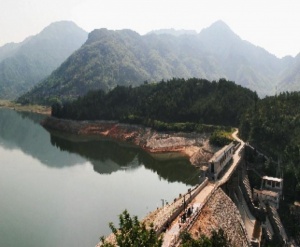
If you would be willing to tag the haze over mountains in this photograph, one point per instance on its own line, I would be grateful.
(24, 64)
(110, 58)
(289, 80)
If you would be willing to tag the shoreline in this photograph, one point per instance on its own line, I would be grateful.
(45, 110)
(193, 145)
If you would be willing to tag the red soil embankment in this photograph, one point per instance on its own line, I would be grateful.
(194, 145)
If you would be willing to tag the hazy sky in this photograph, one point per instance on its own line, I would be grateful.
(273, 25)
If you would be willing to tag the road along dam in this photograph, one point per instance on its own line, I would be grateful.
(222, 199)
(206, 207)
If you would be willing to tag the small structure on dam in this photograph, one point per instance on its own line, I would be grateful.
(220, 159)
(270, 191)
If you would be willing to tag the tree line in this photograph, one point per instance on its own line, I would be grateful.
(192, 101)
(271, 124)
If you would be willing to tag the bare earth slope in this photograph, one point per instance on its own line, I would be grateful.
(194, 145)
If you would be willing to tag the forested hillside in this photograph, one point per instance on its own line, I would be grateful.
(178, 100)
(111, 58)
(273, 126)
(23, 65)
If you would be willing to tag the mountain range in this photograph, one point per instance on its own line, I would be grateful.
(110, 58)
(24, 64)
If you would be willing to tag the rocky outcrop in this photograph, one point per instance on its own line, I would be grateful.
(221, 212)
(194, 145)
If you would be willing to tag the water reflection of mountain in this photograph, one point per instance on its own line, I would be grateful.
(174, 170)
(103, 152)
(106, 156)
(21, 130)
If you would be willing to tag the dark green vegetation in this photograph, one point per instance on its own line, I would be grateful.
(217, 239)
(111, 58)
(221, 137)
(192, 102)
(25, 64)
(273, 127)
(132, 233)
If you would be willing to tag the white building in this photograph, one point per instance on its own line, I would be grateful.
(271, 183)
(220, 160)
(270, 192)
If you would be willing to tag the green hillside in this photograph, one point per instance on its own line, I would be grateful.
(25, 64)
(178, 100)
(111, 58)
(273, 126)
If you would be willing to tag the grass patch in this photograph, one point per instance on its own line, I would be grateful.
(221, 137)
(29, 108)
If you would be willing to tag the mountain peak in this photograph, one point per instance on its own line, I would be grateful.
(218, 38)
(220, 29)
(220, 24)
(63, 26)
(36, 57)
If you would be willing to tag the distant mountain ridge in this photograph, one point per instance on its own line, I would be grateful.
(111, 58)
(173, 31)
(290, 79)
(24, 64)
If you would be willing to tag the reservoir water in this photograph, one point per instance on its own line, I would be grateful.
(58, 190)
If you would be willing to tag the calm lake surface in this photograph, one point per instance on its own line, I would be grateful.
(58, 190)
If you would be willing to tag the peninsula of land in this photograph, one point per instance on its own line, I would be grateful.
(194, 145)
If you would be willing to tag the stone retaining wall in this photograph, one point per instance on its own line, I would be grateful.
(221, 212)
(179, 209)
(255, 211)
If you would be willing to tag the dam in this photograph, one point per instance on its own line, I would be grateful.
(223, 199)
